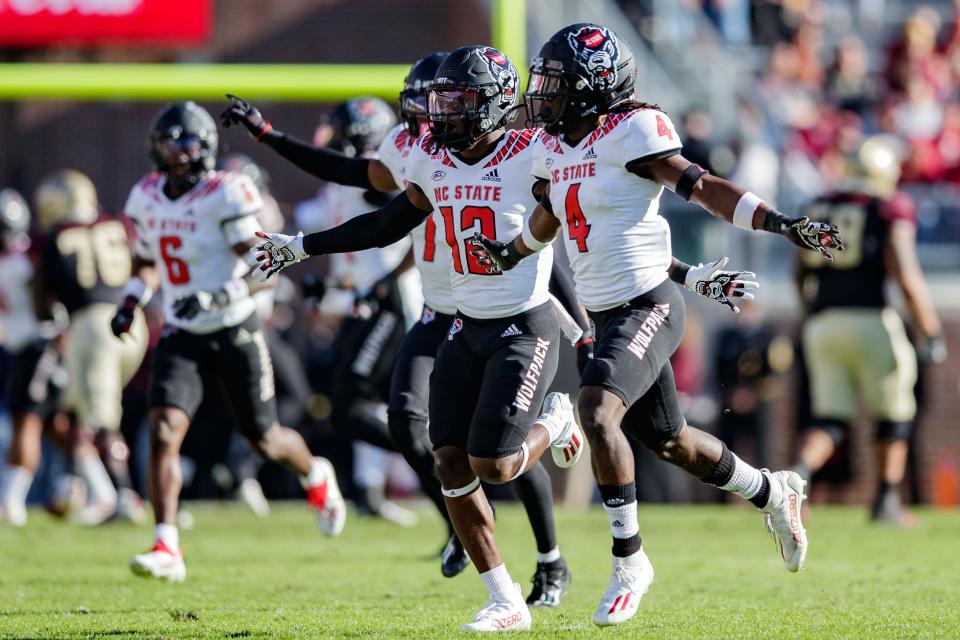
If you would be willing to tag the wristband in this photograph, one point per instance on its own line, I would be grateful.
(679, 272)
(585, 340)
(774, 221)
(746, 207)
(236, 290)
(138, 290)
(528, 239)
(267, 128)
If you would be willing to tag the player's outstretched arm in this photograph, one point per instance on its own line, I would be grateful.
(731, 203)
(900, 255)
(144, 281)
(541, 229)
(712, 281)
(325, 164)
(378, 228)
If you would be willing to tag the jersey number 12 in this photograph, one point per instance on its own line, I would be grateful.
(469, 216)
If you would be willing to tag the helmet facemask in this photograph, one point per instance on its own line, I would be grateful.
(413, 111)
(457, 115)
(554, 98)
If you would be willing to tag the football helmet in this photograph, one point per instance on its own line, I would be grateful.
(359, 125)
(14, 217)
(474, 92)
(65, 196)
(582, 70)
(874, 168)
(183, 142)
(413, 98)
(242, 163)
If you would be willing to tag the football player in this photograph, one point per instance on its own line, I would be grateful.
(855, 344)
(604, 158)
(409, 388)
(84, 262)
(195, 232)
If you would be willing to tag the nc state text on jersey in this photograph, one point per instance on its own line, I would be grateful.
(172, 224)
(575, 172)
(467, 192)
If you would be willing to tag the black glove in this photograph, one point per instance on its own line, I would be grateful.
(496, 256)
(805, 233)
(123, 319)
(192, 305)
(242, 112)
(584, 352)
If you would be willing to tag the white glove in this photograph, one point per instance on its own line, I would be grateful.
(711, 281)
(277, 252)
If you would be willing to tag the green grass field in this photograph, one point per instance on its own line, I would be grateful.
(717, 576)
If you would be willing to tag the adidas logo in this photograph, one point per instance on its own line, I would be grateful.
(590, 154)
(616, 523)
(511, 330)
(492, 176)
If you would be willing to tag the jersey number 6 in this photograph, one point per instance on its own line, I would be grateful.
(177, 270)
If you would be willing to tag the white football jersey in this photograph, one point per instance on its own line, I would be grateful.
(429, 250)
(191, 239)
(18, 323)
(491, 196)
(618, 244)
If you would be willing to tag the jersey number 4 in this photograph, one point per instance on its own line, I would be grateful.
(469, 216)
(577, 227)
(177, 270)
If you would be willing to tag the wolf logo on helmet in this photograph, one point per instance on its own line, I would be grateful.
(596, 50)
(501, 69)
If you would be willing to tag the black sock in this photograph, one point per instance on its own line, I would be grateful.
(536, 493)
(723, 472)
(613, 497)
(763, 496)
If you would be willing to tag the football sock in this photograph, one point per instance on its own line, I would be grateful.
(620, 504)
(496, 579)
(551, 556)
(316, 476)
(169, 535)
(91, 469)
(736, 476)
(536, 493)
(15, 485)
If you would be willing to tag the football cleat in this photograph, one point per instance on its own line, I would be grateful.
(454, 559)
(782, 516)
(550, 582)
(14, 513)
(251, 493)
(630, 580)
(326, 500)
(505, 611)
(567, 445)
(160, 562)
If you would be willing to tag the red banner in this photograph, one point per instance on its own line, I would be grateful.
(33, 23)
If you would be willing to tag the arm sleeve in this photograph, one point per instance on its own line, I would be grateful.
(650, 136)
(242, 203)
(326, 164)
(378, 228)
(141, 248)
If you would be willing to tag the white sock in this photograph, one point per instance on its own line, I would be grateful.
(746, 481)
(101, 489)
(550, 556)
(623, 520)
(16, 485)
(169, 535)
(316, 476)
(497, 579)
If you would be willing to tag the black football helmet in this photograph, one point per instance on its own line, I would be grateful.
(477, 85)
(183, 133)
(413, 98)
(581, 71)
(360, 124)
(14, 217)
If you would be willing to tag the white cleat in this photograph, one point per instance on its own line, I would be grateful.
(782, 515)
(567, 446)
(160, 562)
(326, 499)
(506, 611)
(630, 580)
(252, 495)
(14, 514)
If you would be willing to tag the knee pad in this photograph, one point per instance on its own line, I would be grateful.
(838, 430)
(894, 430)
